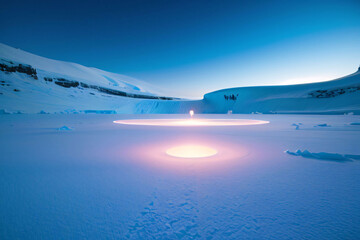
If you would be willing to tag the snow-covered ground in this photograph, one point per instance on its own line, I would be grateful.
(81, 176)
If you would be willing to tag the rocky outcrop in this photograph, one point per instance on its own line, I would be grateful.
(66, 83)
(11, 67)
(334, 92)
(76, 84)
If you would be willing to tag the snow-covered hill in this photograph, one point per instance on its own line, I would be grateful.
(34, 84)
(338, 96)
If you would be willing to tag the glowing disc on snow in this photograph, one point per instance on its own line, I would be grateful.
(191, 122)
(191, 151)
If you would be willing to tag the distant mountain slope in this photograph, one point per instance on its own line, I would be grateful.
(34, 84)
(30, 83)
(332, 97)
(75, 71)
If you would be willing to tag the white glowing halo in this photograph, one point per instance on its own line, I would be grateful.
(191, 122)
(191, 151)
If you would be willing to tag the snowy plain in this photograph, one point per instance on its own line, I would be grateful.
(81, 176)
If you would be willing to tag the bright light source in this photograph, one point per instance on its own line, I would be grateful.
(191, 122)
(191, 151)
(191, 113)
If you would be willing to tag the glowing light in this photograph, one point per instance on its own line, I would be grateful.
(191, 113)
(191, 151)
(207, 153)
(191, 122)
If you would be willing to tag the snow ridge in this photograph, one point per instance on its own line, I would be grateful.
(325, 156)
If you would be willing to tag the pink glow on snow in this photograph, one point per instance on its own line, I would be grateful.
(198, 153)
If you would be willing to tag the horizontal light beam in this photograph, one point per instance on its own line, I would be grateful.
(191, 122)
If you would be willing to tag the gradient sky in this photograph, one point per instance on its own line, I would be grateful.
(189, 48)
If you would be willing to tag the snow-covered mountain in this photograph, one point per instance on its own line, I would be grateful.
(33, 84)
(338, 96)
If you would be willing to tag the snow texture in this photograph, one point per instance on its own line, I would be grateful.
(113, 181)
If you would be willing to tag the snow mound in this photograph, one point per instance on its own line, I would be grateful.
(100, 111)
(296, 125)
(64, 128)
(322, 125)
(43, 112)
(3, 112)
(325, 156)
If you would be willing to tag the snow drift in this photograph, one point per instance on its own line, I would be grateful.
(325, 156)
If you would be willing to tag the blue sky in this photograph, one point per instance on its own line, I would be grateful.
(192, 47)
